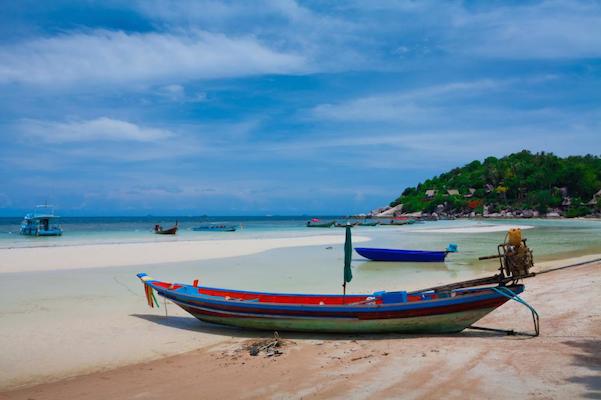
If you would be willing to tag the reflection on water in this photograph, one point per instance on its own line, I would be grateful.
(400, 267)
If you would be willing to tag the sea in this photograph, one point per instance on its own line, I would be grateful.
(298, 269)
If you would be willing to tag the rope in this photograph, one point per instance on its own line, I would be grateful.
(569, 266)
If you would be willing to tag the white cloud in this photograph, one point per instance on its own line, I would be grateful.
(328, 41)
(417, 104)
(117, 57)
(177, 93)
(544, 30)
(105, 129)
(357, 31)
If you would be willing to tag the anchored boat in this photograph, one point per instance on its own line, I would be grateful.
(159, 230)
(41, 222)
(405, 255)
(316, 223)
(365, 223)
(216, 227)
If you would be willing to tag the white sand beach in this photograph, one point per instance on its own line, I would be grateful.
(562, 363)
(81, 309)
(27, 259)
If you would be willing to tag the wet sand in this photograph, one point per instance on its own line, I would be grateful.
(563, 362)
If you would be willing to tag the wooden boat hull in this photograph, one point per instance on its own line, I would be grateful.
(401, 255)
(446, 323)
(425, 312)
(170, 231)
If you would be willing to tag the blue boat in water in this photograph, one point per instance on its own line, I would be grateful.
(405, 255)
(41, 223)
(216, 227)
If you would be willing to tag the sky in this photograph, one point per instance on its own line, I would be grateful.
(281, 107)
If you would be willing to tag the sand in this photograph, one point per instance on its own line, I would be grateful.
(564, 362)
(27, 259)
(84, 310)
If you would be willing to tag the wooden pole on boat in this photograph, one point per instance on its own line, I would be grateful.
(348, 255)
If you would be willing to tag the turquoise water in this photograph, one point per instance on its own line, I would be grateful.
(140, 229)
(549, 238)
(317, 268)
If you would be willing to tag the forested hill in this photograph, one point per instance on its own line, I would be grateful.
(542, 182)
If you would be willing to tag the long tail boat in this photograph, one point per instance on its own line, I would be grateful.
(402, 312)
(364, 223)
(159, 230)
(320, 224)
(215, 227)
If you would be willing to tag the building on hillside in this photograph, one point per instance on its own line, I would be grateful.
(430, 193)
(453, 192)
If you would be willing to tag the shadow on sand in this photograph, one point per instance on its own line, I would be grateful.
(589, 357)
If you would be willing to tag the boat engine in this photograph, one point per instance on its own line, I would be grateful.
(514, 256)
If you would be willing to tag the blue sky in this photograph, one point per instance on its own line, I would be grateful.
(281, 107)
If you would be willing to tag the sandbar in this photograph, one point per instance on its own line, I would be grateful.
(28, 259)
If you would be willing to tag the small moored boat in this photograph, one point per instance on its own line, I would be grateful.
(316, 223)
(159, 230)
(216, 227)
(365, 223)
(40, 223)
(405, 255)
(399, 221)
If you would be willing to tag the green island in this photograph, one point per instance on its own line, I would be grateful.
(521, 184)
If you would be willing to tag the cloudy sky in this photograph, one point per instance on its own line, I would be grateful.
(281, 107)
